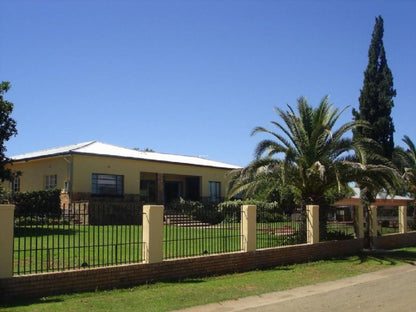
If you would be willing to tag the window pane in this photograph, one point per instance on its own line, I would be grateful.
(214, 191)
(107, 184)
(50, 181)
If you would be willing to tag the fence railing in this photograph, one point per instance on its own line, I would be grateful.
(194, 232)
(81, 236)
(275, 229)
(388, 220)
(86, 235)
(340, 224)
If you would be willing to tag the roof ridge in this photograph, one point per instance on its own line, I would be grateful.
(83, 145)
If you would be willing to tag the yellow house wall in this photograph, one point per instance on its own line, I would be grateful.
(34, 172)
(131, 169)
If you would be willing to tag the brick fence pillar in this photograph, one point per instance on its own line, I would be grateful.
(152, 233)
(402, 219)
(248, 221)
(312, 224)
(6, 240)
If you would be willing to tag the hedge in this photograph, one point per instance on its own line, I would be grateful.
(37, 202)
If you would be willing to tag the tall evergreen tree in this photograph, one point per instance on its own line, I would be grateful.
(376, 98)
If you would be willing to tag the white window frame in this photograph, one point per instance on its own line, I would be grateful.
(51, 181)
(15, 185)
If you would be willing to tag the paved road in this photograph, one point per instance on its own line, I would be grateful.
(387, 290)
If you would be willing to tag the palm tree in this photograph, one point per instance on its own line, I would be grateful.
(315, 160)
(265, 179)
(372, 173)
(306, 152)
(406, 161)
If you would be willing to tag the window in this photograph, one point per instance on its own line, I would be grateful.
(50, 181)
(15, 184)
(107, 184)
(214, 191)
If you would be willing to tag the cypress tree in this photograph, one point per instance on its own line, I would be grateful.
(376, 98)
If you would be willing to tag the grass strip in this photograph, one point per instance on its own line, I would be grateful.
(198, 291)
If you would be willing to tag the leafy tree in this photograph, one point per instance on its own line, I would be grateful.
(7, 129)
(307, 154)
(376, 98)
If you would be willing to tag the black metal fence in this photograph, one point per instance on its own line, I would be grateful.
(82, 235)
(340, 224)
(194, 228)
(388, 220)
(411, 218)
(276, 228)
(97, 234)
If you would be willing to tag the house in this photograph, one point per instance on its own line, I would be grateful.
(345, 212)
(94, 169)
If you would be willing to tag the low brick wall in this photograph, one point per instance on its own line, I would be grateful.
(395, 241)
(135, 274)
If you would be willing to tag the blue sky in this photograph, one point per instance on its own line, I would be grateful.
(191, 77)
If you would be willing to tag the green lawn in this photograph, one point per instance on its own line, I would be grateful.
(63, 247)
(46, 249)
(194, 241)
(191, 292)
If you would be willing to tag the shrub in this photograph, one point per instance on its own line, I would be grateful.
(37, 202)
(114, 213)
(266, 211)
(205, 212)
(337, 235)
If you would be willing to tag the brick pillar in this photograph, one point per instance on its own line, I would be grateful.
(402, 219)
(160, 188)
(6, 240)
(152, 233)
(248, 222)
(359, 221)
(312, 224)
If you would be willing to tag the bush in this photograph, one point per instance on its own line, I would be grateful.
(114, 213)
(229, 211)
(266, 211)
(337, 235)
(204, 212)
(37, 202)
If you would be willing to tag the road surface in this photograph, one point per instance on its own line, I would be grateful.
(387, 290)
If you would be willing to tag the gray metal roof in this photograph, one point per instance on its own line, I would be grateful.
(103, 149)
